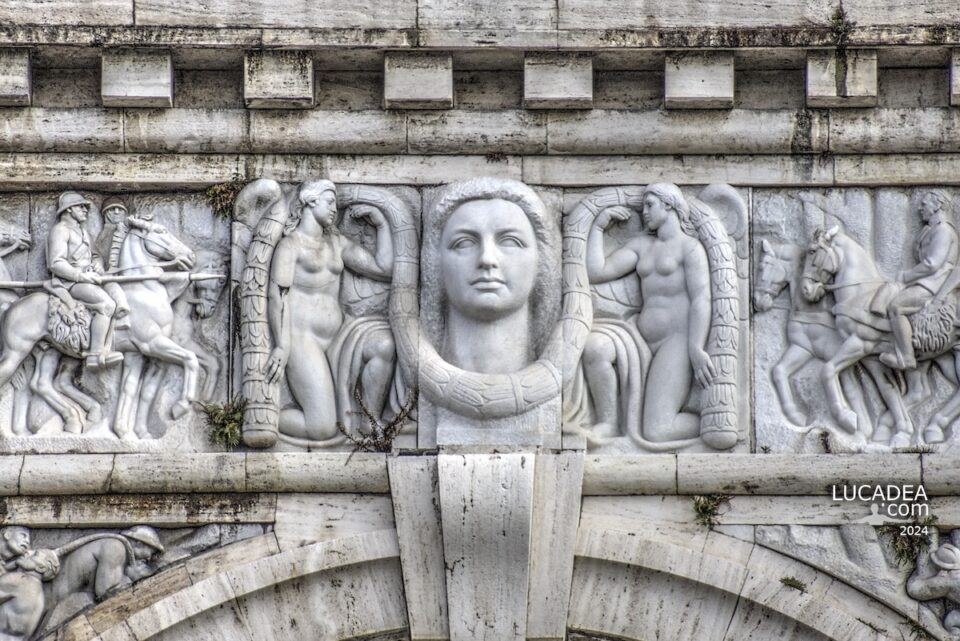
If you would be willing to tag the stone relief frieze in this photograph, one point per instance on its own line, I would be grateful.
(935, 580)
(855, 333)
(664, 365)
(48, 576)
(111, 325)
(508, 316)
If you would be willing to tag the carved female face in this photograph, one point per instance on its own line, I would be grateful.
(323, 208)
(655, 212)
(488, 259)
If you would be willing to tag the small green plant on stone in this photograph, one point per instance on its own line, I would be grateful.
(917, 631)
(793, 582)
(707, 508)
(907, 547)
(221, 196)
(225, 422)
(380, 437)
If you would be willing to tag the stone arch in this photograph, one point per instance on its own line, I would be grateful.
(347, 588)
(683, 584)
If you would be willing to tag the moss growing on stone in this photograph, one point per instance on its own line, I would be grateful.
(221, 196)
(225, 422)
(907, 547)
(707, 508)
(793, 582)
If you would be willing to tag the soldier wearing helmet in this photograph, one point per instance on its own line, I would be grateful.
(70, 261)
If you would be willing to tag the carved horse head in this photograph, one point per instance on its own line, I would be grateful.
(821, 264)
(773, 274)
(154, 248)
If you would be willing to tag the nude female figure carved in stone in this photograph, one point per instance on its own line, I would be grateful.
(639, 369)
(293, 319)
(675, 318)
(304, 308)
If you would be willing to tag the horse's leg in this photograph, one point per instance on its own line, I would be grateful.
(792, 360)
(64, 384)
(853, 392)
(165, 349)
(129, 396)
(852, 350)
(918, 384)
(210, 365)
(935, 430)
(21, 402)
(890, 393)
(42, 385)
(149, 387)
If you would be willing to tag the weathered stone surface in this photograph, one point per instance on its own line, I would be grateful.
(326, 132)
(61, 130)
(897, 170)
(622, 14)
(488, 90)
(699, 81)
(10, 467)
(67, 12)
(842, 79)
(66, 88)
(132, 78)
(657, 132)
(316, 472)
(303, 519)
(807, 474)
(558, 480)
(557, 81)
(698, 170)
(15, 77)
(283, 13)
(414, 487)
(65, 474)
(185, 131)
(628, 474)
(417, 81)
(220, 559)
(278, 79)
(472, 23)
(486, 506)
(167, 510)
(894, 131)
(450, 132)
(954, 78)
(199, 171)
(184, 473)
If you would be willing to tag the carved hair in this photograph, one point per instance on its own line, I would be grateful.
(308, 191)
(545, 297)
(941, 197)
(671, 196)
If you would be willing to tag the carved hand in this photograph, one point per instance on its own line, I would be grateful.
(703, 368)
(612, 215)
(277, 364)
(371, 214)
(89, 277)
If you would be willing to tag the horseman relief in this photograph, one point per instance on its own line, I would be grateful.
(99, 344)
(869, 360)
(664, 366)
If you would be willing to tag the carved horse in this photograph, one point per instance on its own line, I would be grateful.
(144, 254)
(835, 262)
(811, 333)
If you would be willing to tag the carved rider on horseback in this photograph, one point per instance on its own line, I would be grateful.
(70, 261)
(937, 254)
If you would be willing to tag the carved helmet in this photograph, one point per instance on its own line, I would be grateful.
(112, 201)
(69, 199)
(946, 557)
(146, 535)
